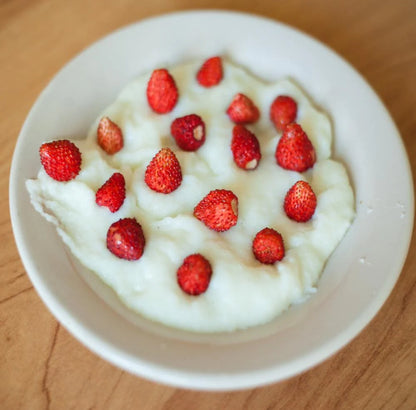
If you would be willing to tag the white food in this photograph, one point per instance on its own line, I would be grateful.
(242, 292)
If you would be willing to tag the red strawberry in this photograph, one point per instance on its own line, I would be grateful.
(268, 246)
(112, 193)
(61, 159)
(194, 274)
(189, 132)
(242, 110)
(109, 136)
(163, 174)
(300, 202)
(210, 73)
(283, 111)
(218, 210)
(245, 148)
(125, 239)
(161, 92)
(295, 150)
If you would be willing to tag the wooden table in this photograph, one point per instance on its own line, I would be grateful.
(43, 366)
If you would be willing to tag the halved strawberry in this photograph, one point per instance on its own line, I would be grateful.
(61, 159)
(188, 131)
(109, 136)
(218, 210)
(194, 275)
(210, 73)
(125, 239)
(294, 150)
(162, 94)
(242, 110)
(283, 111)
(268, 246)
(163, 174)
(300, 202)
(112, 193)
(245, 148)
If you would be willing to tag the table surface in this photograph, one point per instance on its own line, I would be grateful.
(43, 366)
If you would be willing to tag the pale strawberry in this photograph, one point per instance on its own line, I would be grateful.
(163, 174)
(218, 210)
(194, 275)
(283, 111)
(125, 239)
(112, 193)
(61, 159)
(242, 110)
(109, 136)
(210, 73)
(294, 150)
(189, 132)
(300, 202)
(245, 148)
(162, 93)
(268, 246)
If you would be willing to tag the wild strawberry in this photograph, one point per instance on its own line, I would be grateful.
(163, 174)
(218, 210)
(294, 150)
(210, 73)
(61, 159)
(242, 110)
(189, 132)
(283, 111)
(194, 275)
(300, 202)
(109, 136)
(245, 148)
(125, 239)
(112, 193)
(268, 246)
(161, 92)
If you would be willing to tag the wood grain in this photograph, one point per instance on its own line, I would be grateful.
(43, 367)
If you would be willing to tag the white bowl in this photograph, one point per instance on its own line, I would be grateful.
(360, 273)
